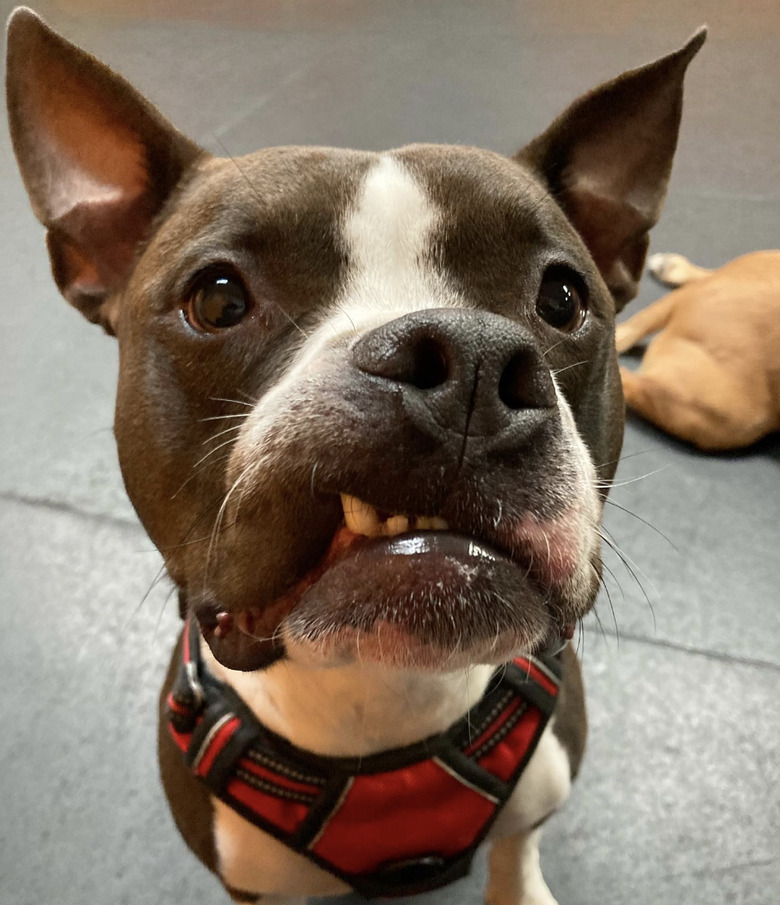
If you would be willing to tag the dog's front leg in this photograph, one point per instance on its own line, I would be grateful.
(515, 876)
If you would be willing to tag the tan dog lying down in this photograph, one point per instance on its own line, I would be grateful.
(712, 375)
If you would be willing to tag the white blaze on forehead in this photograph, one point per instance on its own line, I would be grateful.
(387, 236)
(390, 225)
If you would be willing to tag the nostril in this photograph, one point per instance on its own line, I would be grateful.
(524, 384)
(419, 360)
(429, 365)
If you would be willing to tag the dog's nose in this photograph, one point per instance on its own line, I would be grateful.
(477, 373)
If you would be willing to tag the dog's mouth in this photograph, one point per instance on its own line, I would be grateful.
(402, 590)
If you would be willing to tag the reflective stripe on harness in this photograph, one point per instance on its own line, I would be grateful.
(390, 824)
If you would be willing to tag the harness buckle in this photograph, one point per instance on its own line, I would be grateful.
(191, 673)
(187, 698)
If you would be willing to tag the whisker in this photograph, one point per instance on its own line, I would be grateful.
(222, 417)
(557, 371)
(612, 610)
(311, 483)
(554, 346)
(580, 647)
(614, 578)
(644, 522)
(227, 430)
(162, 611)
(641, 452)
(600, 625)
(198, 471)
(611, 484)
(233, 401)
(217, 523)
(341, 308)
(159, 575)
(196, 540)
(211, 452)
(630, 567)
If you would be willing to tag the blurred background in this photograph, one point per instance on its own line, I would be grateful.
(679, 799)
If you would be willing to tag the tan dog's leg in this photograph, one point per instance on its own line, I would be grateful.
(649, 320)
(696, 400)
(515, 873)
(675, 270)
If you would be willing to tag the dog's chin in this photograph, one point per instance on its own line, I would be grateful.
(429, 601)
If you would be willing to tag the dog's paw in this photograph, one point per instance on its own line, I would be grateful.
(669, 268)
(625, 338)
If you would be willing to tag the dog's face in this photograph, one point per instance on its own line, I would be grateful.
(367, 402)
(418, 347)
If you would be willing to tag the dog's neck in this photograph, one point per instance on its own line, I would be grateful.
(353, 710)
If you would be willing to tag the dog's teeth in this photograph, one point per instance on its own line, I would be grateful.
(430, 523)
(361, 518)
(396, 524)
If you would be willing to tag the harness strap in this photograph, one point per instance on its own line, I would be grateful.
(394, 823)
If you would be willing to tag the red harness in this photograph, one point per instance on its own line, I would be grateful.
(391, 824)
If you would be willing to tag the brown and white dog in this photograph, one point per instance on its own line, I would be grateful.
(368, 410)
(712, 374)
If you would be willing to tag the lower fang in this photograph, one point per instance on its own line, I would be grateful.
(224, 624)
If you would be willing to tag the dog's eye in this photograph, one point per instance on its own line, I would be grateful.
(561, 300)
(217, 300)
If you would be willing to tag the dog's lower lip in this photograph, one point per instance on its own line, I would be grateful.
(429, 542)
(247, 638)
(388, 572)
(430, 600)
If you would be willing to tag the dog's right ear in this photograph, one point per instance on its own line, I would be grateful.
(607, 161)
(98, 161)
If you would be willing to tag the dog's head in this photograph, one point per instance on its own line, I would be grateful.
(368, 403)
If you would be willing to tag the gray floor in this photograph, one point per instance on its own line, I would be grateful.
(679, 799)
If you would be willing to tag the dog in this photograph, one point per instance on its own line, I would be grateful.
(368, 410)
(712, 374)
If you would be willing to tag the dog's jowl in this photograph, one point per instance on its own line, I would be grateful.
(368, 405)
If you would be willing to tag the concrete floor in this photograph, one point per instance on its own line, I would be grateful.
(679, 798)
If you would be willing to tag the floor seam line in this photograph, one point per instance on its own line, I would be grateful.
(67, 508)
(720, 656)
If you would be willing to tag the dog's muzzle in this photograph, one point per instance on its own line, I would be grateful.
(425, 490)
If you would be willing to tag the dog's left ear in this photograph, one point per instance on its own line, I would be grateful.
(607, 161)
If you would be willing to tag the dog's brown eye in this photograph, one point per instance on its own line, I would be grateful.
(561, 300)
(217, 300)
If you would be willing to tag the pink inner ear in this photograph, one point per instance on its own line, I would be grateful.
(87, 153)
(615, 233)
(605, 223)
(92, 174)
(99, 242)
